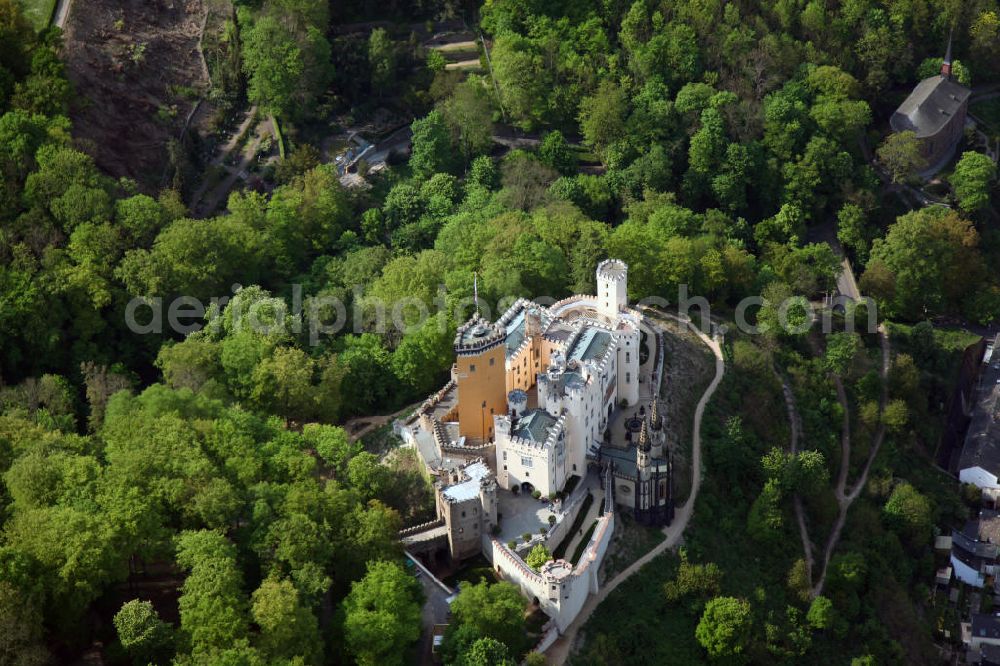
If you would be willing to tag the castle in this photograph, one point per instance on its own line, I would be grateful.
(527, 414)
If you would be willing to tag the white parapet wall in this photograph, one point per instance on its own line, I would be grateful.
(560, 588)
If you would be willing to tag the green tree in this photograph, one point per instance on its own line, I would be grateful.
(288, 629)
(699, 580)
(972, 180)
(766, 521)
(908, 511)
(487, 611)
(852, 230)
(724, 629)
(432, 149)
(141, 631)
(382, 615)
(286, 70)
(556, 152)
(821, 614)
(932, 67)
(21, 633)
(538, 556)
(213, 607)
(841, 350)
(283, 384)
(901, 157)
(484, 173)
(926, 264)
(469, 115)
(603, 115)
(486, 652)
(382, 60)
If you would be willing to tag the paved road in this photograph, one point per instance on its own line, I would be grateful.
(560, 650)
(61, 13)
(435, 611)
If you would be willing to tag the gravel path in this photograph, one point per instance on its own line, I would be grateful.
(560, 650)
(846, 497)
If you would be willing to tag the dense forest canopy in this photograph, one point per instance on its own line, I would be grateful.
(712, 145)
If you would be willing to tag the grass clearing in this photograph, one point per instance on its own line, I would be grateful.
(630, 542)
(39, 12)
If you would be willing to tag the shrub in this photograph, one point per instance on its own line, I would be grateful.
(537, 494)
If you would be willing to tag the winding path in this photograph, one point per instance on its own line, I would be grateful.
(844, 496)
(559, 651)
(795, 423)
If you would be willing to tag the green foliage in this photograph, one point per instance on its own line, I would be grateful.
(555, 152)
(141, 631)
(382, 59)
(432, 148)
(927, 263)
(287, 62)
(972, 180)
(932, 67)
(469, 115)
(288, 629)
(486, 611)
(486, 652)
(910, 513)
(900, 155)
(702, 581)
(213, 605)
(821, 614)
(382, 615)
(766, 521)
(725, 626)
(841, 351)
(538, 556)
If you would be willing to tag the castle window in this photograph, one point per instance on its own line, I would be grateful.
(628, 377)
(472, 367)
(628, 357)
(505, 468)
(492, 361)
(526, 462)
(463, 514)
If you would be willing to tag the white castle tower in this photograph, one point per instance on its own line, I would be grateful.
(612, 301)
(612, 286)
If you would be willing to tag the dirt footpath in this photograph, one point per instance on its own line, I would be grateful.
(137, 71)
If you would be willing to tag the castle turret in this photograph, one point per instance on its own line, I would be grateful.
(643, 488)
(644, 440)
(612, 286)
(655, 420)
(517, 403)
(480, 375)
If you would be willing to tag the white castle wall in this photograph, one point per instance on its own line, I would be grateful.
(560, 599)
